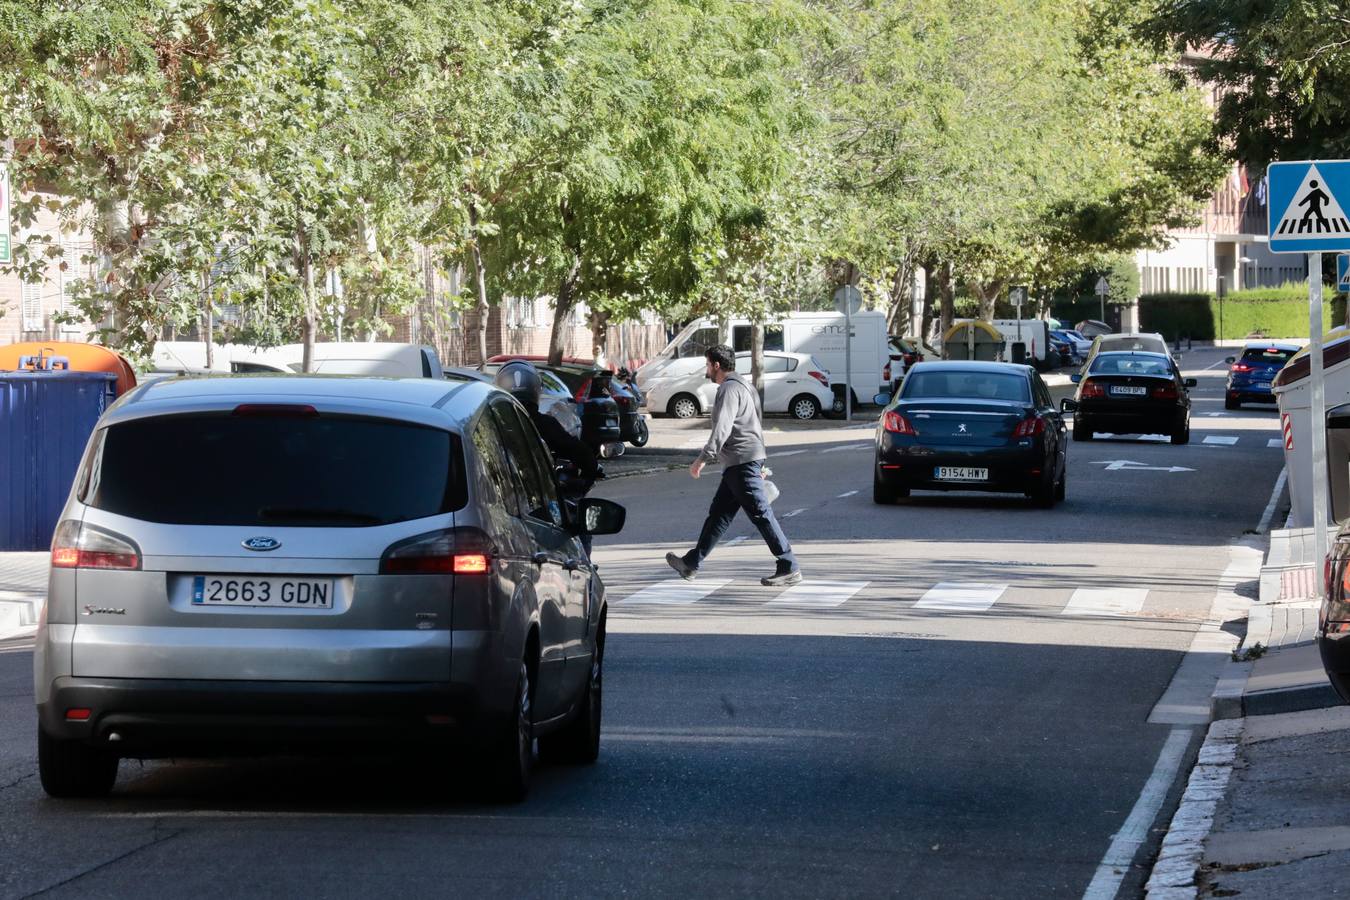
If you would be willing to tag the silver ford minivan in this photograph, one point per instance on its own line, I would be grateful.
(259, 563)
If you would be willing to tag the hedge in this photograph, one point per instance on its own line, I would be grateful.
(1270, 312)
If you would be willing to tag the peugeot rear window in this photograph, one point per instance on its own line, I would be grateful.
(966, 385)
(287, 469)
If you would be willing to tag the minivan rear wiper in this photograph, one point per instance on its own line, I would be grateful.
(308, 513)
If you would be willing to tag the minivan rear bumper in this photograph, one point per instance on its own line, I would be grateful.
(148, 718)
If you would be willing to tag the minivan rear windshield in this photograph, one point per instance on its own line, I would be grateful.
(224, 469)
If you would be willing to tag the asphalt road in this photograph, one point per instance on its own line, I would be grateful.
(866, 735)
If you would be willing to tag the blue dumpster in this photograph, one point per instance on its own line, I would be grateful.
(46, 418)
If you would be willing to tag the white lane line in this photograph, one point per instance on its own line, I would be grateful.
(1269, 512)
(1134, 832)
(818, 594)
(965, 596)
(1226, 440)
(795, 512)
(1274, 442)
(738, 539)
(676, 591)
(847, 447)
(845, 494)
(787, 453)
(1105, 602)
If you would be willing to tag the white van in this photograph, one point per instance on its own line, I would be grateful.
(817, 334)
(1035, 336)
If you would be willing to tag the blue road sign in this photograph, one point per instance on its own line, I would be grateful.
(1305, 209)
(1343, 273)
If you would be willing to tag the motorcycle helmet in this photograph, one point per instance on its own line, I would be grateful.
(521, 380)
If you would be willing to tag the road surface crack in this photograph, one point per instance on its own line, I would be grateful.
(155, 840)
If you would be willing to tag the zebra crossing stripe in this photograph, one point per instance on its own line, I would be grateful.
(676, 591)
(1105, 602)
(818, 594)
(1226, 440)
(961, 596)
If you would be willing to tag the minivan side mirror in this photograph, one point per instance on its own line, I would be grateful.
(1190, 382)
(599, 516)
(1067, 405)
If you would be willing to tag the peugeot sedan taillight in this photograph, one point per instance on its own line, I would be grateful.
(79, 546)
(896, 423)
(1029, 427)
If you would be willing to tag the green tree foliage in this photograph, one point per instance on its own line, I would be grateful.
(1279, 67)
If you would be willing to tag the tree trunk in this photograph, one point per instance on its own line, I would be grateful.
(480, 281)
(947, 293)
(929, 292)
(562, 312)
(600, 336)
(307, 323)
(898, 320)
(208, 322)
(757, 359)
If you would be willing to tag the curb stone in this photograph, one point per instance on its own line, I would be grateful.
(1174, 873)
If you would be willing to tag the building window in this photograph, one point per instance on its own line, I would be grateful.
(31, 302)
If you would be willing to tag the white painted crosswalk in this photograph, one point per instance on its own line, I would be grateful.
(676, 591)
(961, 596)
(945, 597)
(818, 594)
(1106, 602)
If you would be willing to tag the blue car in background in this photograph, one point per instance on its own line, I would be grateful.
(1250, 374)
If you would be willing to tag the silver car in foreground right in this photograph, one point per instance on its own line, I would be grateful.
(277, 563)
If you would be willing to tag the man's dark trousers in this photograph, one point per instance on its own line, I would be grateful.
(742, 487)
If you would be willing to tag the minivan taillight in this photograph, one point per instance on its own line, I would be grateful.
(79, 546)
(449, 552)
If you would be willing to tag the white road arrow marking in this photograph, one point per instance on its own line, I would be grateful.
(1126, 465)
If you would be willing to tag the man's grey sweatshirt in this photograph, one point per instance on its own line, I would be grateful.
(737, 436)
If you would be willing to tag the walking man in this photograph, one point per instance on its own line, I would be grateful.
(737, 440)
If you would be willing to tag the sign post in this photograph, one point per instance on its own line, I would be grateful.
(1102, 290)
(1018, 295)
(4, 212)
(1305, 215)
(847, 300)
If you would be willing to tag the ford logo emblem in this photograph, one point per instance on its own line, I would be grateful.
(261, 543)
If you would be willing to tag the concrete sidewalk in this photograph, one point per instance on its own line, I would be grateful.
(1264, 814)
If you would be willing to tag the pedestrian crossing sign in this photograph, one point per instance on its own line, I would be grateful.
(1343, 273)
(1305, 213)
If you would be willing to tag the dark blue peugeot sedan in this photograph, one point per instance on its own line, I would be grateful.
(1250, 375)
(971, 426)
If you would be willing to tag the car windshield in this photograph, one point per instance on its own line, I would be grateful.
(1128, 364)
(965, 385)
(223, 469)
(1267, 355)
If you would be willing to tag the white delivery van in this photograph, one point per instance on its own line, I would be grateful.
(818, 334)
(1035, 336)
